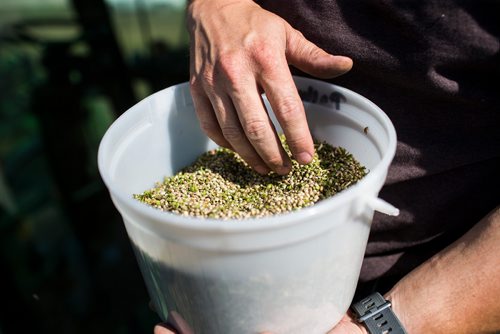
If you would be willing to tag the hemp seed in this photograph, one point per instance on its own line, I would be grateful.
(220, 185)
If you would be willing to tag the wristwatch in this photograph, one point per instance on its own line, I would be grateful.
(376, 314)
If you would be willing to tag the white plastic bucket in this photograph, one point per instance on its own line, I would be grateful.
(289, 273)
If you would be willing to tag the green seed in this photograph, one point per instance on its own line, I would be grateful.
(220, 185)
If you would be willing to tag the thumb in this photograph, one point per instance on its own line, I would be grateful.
(347, 325)
(308, 57)
(163, 329)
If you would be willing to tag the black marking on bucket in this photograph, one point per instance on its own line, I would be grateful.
(312, 95)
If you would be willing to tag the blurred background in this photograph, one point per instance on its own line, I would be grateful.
(68, 68)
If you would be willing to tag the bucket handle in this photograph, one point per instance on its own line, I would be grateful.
(382, 206)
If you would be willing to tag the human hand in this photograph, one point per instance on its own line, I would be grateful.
(176, 325)
(347, 325)
(163, 329)
(239, 50)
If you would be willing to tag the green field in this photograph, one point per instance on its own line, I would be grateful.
(64, 272)
(159, 22)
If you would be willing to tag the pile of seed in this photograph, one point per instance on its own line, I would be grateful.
(219, 184)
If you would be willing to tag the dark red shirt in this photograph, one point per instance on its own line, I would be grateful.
(434, 68)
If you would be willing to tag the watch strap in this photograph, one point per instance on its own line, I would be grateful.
(376, 313)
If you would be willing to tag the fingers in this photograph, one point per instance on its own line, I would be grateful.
(348, 325)
(311, 59)
(258, 127)
(163, 329)
(206, 116)
(233, 132)
(286, 103)
(238, 50)
(176, 325)
(233, 115)
(231, 112)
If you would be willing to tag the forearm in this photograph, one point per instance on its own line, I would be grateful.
(190, 3)
(457, 290)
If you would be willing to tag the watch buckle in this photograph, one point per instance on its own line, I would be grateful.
(373, 311)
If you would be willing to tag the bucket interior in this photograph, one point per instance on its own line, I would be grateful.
(161, 134)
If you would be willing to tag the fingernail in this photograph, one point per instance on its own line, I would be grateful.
(303, 158)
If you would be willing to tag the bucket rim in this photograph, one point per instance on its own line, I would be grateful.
(282, 220)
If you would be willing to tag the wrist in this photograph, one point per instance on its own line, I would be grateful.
(375, 315)
(398, 307)
(418, 303)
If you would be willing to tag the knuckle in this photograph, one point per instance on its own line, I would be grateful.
(288, 108)
(260, 49)
(256, 129)
(298, 34)
(266, 57)
(229, 66)
(315, 52)
(202, 80)
(232, 133)
(297, 142)
(207, 78)
(195, 85)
